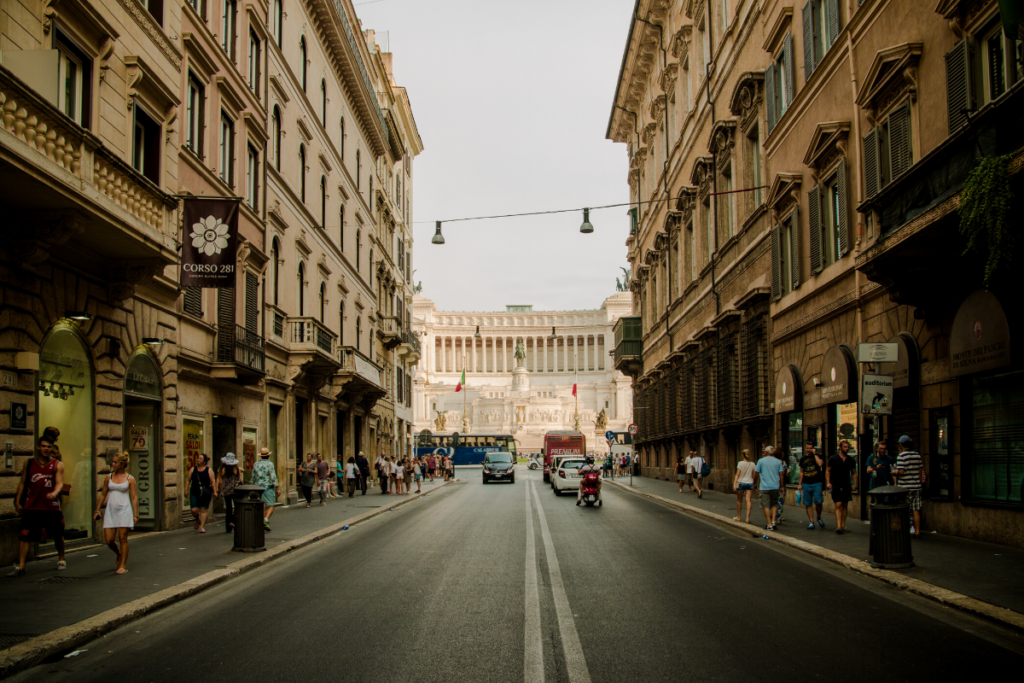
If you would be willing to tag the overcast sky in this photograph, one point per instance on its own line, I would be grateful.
(512, 102)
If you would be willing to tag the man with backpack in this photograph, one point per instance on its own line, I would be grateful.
(699, 469)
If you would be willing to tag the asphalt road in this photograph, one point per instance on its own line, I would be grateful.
(511, 583)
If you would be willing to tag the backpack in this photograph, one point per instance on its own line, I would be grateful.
(705, 469)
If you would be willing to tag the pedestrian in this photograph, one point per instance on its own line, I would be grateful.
(307, 478)
(364, 471)
(407, 474)
(910, 475)
(840, 481)
(689, 476)
(202, 490)
(399, 476)
(879, 467)
(338, 485)
(697, 472)
(780, 453)
(37, 500)
(382, 470)
(680, 472)
(228, 478)
(265, 474)
(743, 483)
(431, 466)
(120, 494)
(812, 478)
(352, 475)
(768, 472)
(323, 478)
(418, 473)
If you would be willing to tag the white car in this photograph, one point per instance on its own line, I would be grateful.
(567, 477)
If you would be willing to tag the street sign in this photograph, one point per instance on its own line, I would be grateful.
(632, 429)
(881, 352)
(610, 435)
(876, 394)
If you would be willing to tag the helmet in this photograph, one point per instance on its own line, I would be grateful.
(590, 460)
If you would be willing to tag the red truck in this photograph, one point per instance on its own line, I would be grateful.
(562, 443)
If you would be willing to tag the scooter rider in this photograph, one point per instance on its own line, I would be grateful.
(589, 467)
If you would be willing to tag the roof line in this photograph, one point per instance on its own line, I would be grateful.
(622, 69)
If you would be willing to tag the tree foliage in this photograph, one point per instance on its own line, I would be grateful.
(984, 212)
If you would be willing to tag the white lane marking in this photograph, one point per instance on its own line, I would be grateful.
(575, 662)
(533, 655)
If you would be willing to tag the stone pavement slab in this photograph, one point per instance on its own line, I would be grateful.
(984, 571)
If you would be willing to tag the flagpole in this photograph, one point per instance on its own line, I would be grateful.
(576, 390)
(465, 418)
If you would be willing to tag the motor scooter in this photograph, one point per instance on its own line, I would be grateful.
(590, 485)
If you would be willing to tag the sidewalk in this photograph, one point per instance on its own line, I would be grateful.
(44, 599)
(983, 571)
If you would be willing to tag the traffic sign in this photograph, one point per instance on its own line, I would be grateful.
(876, 394)
(878, 352)
(610, 435)
(633, 429)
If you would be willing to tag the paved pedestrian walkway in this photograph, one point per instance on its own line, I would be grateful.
(984, 571)
(46, 599)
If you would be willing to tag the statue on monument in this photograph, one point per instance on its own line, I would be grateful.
(602, 421)
(520, 353)
(624, 285)
(439, 422)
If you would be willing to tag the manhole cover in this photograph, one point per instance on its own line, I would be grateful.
(61, 579)
(11, 639)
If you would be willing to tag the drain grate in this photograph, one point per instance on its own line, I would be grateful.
(61, 579)
(11, 639)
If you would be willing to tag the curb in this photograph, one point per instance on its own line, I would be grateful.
(24, 655)
(1002, 616)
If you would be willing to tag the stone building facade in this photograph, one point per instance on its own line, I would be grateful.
(872, 116)
(526, 404)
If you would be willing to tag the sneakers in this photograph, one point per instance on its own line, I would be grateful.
(577, 503)
(770, 527)
(821, 522)
(811, 527)
(62, 565)
(18, 571)
(913, 531)
(266, 525)
(839, 531)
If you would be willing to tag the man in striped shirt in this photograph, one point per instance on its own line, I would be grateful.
(910, 475)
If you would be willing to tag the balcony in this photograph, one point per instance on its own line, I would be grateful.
(65, 195)
(390, 332)
(240, 356)
(360, 380)
(409, 348)
(628, 346)
(313, 355)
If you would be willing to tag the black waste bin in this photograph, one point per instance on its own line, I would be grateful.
(890, 528)
(249, 536)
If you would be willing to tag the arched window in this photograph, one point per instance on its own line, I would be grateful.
(302, 61)
(302, 291)
(359, 331)
(323, 102)
(302, 172)
(341, 142)
(277, 137)
(323, 202)
(341, 323)
(323, 300)
(275, 273)
(278, 18)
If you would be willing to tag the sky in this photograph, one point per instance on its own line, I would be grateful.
(512, 101)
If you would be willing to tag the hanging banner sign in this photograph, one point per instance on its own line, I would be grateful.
(209, 243)
(876, 394)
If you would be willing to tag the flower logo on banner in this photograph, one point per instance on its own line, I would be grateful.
(209, 236)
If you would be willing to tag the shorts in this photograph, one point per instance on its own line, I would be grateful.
(745, 487)
(841, 495)
(769, 499)
(269, 497)
(696, 477)
(812, 495)
(34, 522)
(418, 477)
(680, 477)
(200, 502)
(914, 499)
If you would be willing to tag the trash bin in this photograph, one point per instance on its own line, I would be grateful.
(890, 528)
(249, 536)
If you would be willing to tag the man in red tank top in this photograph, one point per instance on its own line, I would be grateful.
(38, 501)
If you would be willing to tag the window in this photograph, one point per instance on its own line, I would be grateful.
(370, 193)
(254, 63)
(302, 172)
(785, 261)
(358, 164)
(359, 244)
(996, 432)
(727, 202)
(323, 300)
(323, 202)
(199, 6)
(252, 178)
(227, 27)
(341, 228)
(323, 102)
(827, 220)
(277, 17)
(301, 275)
(887, 149)
(146, 144)
(980, 70)
(193, 301)
(778, 83)
(709, 228)
(275, 266)
(72, 81)
(156, 9)
(821, 30)
(359, 331)
(276, 133)
(705, 48)
(302, 61)
(194, 111)
(754, 154)
(341, 141)
(227, 150)
(341, 323)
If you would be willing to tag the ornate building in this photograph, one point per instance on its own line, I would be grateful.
(520, 368)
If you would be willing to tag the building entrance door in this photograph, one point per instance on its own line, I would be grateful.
(225, 440)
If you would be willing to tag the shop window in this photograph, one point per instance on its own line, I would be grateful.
(941, 472)
(143, 397)
(146, 144)
(793, 444)
(778, 82)
(887, 149)
(229, 16)
(194, 110)
(827, 220)
(997, 438)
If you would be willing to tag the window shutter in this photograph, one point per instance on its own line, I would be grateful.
(776, 263)
(899, 140)
(958, 85)
(814, 225)
(832, 20)
(193, 303)
(871, 163)
(843, 228)
(226, 324)
(794, 249)
(252, 302)
(769, 89)
(808, 26)
(787, 56)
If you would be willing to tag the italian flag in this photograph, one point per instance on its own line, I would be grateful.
(575, 379)
(462, 383)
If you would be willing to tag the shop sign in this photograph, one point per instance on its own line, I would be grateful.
(193, 434)
(142, 378)
(248, 449)
(19, 416)
(876, 394)
(139, 447)
(881, 352)
(208, 251)
(788, 390)
(900, 369)
(980, 339)
(836, 371)
(367, 370)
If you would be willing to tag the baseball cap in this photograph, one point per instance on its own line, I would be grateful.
(906, 439)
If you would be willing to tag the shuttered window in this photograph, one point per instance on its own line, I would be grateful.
(252, 302)
(785, 256)
(814, 223)
(827, 220)
(778, 79)
(770, 99)
(820, 31)
(888, 150)
(776, 263)
(226, 324)
(843, 221)
(899, 140)
(193, 301)
(871, 178)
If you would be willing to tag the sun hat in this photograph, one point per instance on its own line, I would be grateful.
(229, 459)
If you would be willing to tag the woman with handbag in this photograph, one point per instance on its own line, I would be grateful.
(227, 479)
(202, 490)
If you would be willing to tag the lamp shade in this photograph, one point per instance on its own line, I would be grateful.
(438, 238)
(586, 228)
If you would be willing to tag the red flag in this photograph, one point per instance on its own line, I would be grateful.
(574, 389)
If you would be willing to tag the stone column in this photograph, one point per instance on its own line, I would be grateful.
(442, 361)
(565, 353)
(473, 353)
(504, 357)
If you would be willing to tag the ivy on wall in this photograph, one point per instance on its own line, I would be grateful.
(984, 210)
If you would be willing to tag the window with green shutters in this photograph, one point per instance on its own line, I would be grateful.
(778, 83)
(252, 302)
(820, 32)
(226, 324)
(888, 149)
(785, 256)
(827, 220)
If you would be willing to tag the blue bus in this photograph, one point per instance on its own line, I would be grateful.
(465, 449)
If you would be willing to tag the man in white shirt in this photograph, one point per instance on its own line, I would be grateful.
(689, 470)
(696, 468)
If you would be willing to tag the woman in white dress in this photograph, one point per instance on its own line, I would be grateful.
(122, 499)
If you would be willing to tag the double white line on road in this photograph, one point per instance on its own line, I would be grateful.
(575, 662)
